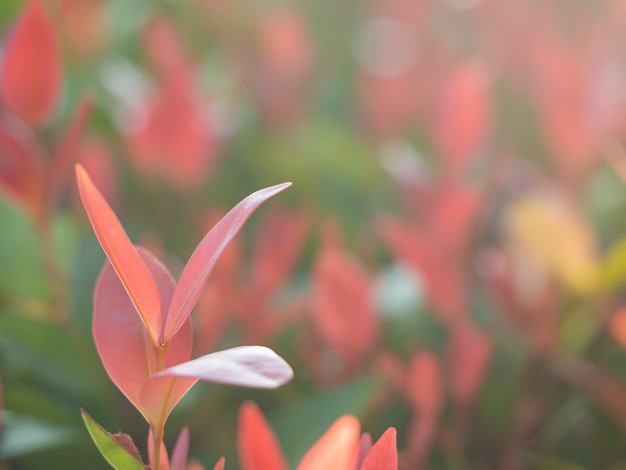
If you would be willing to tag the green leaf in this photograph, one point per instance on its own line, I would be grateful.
(25, 435)
(114, 448)
(614, 266)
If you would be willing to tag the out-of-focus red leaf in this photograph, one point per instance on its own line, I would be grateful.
(132, 272)
(424, 391)
(384, 453)
(181, 449)
(219, 465)
(21, 173)
(468, 357)
(244, 366)
(336, 449)
(67, 152)
(127, 353)
(284, 57)
(424, 387)
(452, 214)
(165, 53)
(256, 442)
(278, 242)
(343, 305)
(205, 255)
(463, 117)
(96, 158)
(617, 326)
(445, 288)
(175, 141)
(32, 71)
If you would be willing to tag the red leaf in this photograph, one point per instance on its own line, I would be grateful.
(132, 272)
(384, 454)
(336, 449)
(124, 348)
(468, 354)
(463, 118)
(32, 71)
(256, 442)
(67, 152)
(445, 287)
(278, 243)
(220, 464)
(343, 305)
(203, 259)
(424, 387)
(21, 173)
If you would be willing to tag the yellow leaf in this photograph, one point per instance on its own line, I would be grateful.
(550, 230)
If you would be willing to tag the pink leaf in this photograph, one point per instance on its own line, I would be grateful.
(256, 442)
(244, 366)
(384, 454)
(181, 449)
(203, 259)
(121, 340)
(32, 71)
(133, 273)
(365, 445)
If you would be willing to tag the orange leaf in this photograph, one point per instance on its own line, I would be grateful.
(257, 443)
(336, 449)
(131, 270)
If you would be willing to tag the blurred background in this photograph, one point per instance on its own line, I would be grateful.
(450, 259)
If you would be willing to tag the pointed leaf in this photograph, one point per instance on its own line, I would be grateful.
(244, 366)
(121, 340)
(365, 445)
(336, 449)
(31, 75)
(203, 259)
(220, 464)
(123, 256)
(256, 442)
(181, 449)
(114, 453)
(384, 454)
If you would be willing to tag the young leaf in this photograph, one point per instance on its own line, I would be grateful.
(119, 456)
(181, 449)
(123, 346)
(31, 75)
(384, 454)
(123, 256)
(257, 444)
(336, 449)
(203, 259)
